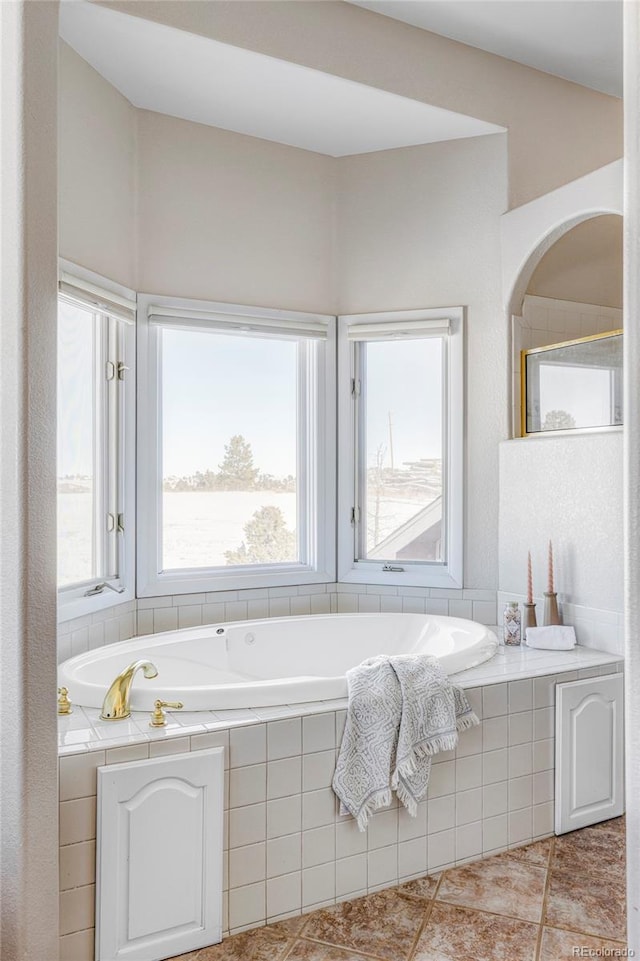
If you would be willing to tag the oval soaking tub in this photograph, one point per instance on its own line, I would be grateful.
(284, 660)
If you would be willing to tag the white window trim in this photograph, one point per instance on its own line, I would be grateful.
(73, 602)
(450, 574)
(150, 582)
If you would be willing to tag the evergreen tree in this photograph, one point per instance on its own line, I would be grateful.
(558, 420)
(237, 472)
(267, 540)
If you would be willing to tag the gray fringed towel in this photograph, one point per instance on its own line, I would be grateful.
(402, 710)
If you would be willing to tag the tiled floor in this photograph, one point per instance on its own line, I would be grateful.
(536, 903)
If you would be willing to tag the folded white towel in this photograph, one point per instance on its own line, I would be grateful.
(555, 637)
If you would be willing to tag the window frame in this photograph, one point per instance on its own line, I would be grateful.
(106, 297)
(319, 428)
(352, 570)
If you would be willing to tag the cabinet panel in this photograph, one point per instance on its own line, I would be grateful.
(589, 751)
(159, 856)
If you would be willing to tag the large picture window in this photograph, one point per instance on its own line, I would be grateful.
(236, 455)
(401, 448)
(96, 346)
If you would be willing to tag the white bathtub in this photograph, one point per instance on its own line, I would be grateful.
(284, 660)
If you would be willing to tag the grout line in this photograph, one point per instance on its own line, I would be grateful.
(80, 931)
(590, 875)
(290, 948)
(543, 910)
(584, 934)
(493, 914)
(344, 948)
(426, 919)
(306, 922)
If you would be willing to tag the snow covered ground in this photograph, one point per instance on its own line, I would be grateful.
(198, 527)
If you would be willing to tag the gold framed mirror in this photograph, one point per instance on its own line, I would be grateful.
(574, 385)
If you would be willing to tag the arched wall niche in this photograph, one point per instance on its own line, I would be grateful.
(522, 281)
(570, 287)
(528, 234)
(548, 486)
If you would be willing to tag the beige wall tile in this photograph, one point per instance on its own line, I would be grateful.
(247, 905)
(78, 947)
(248, 785)
(77, 865)
(78, 775)
(131, 752)
(248, 745)
(247, 865)
(203, 742)
(77, 820)
(77, 909)
(173, 745)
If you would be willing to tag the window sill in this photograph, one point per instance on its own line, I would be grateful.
(73, 607)
(410, 577)
(193, 583)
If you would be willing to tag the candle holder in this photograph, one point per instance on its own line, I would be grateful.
(529, 617)
(551, 615)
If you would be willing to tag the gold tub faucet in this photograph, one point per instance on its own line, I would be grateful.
(116, 703)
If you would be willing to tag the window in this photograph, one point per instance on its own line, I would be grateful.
(400, 455)
(96, 340)
(236, 459)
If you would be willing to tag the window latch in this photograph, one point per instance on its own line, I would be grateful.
(355, 515)
(100, 588)
(115, 370)
(115, 522)
(391, 569)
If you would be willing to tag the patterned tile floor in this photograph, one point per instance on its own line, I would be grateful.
(537, 903)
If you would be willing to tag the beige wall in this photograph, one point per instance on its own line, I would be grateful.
(584, 266)
(226, 217)
(557, 130)
(28, 269)
(419, 227)
(631, 465)
(173, 207)
(97, 142)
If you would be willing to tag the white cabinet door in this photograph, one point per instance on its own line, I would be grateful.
(589, 751)
(159, 856)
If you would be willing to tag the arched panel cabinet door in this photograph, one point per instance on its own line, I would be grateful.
(159, 856)
(589, 751)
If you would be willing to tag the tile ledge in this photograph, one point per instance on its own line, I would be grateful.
(507, 665)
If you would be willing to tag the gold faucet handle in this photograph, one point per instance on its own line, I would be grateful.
(64, 704)
(158, 717)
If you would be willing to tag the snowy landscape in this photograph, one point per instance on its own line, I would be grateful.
(237, 515)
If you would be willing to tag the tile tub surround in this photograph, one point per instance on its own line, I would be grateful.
(151, 615)
(534, 903)
(113, 624)
(287, 851)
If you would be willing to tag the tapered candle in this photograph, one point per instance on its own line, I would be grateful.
(529, 580)
(550, 584)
